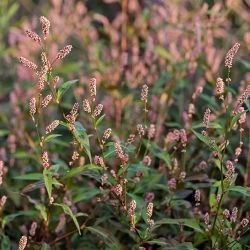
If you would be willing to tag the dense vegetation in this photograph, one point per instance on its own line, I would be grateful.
(124, 124)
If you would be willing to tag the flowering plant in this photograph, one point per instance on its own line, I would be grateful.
(157, 176)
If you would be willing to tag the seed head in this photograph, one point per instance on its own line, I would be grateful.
(183, 137)
(244, 96)
(226, 213)
(144, 93)
(52, 126)
(234, 214)
(106, 134)
(75, 156)
(230, 171)
(172, 184)
(150, 209)
(32, 106)
(45, 60)
(42, 77)
(151, 131)
(34, 36)
(147, 160)
(118, 189)
(151, 223)
(197, 197)
(132, 207)
(99, 160)
(45, 160)
(46, 100)
(238, 151)
(22, 243)
(27, 63)
(244, 222)
(92, 88)
(86, 106)
(71, 117)
(104, 179)
(243, 117)
(131, 139)
(206, 218)
(75, 108)
(45, 26)
(206, 117)
(97, 110)
(63, 52)
(123, 157)
(230, 55)
(219, 86)
(141, 130)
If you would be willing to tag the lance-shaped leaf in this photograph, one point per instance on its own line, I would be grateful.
(83, 139)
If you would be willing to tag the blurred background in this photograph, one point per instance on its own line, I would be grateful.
(171, 45)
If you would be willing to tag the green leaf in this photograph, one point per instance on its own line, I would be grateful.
(239, 189)
(246, 64)
(159, 153)
(85, 194)
(211, 101)
(106, 236)
(5, 242)
(82, 137)
(69, 212)
(213, 202)
(98, 231)
(99, 120)
(204, 139)
(80, 170)
(213, 125)
(24, 155)
(182, 246)
(63, 88)
(51, 137)
(159, 242)
(111, 151)
(42, 209)
(4, 132)
(45, 246)
(8, 218)
(30, 177)
(48, 180)
(234, 245)
(191, 223)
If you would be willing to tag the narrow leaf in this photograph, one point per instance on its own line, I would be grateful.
(63, 88)
(30, 177)
(48, 180)
(69, 212)
(82, 137)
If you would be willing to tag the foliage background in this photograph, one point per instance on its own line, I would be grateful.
(174, 47)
